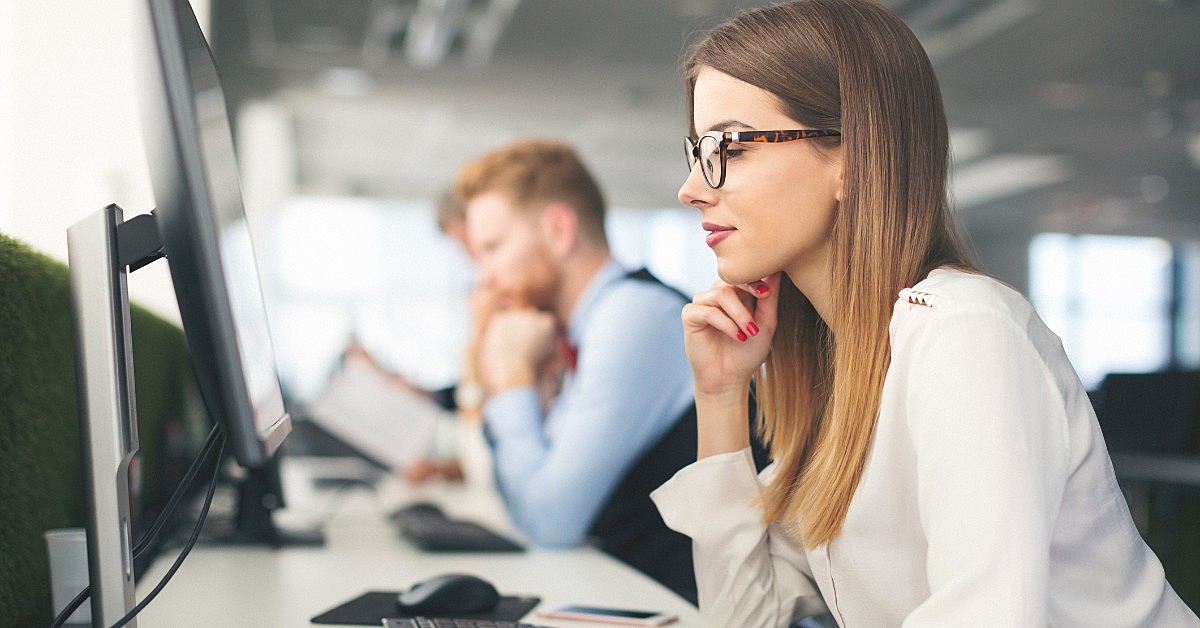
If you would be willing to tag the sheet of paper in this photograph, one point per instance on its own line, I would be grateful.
(383, 419)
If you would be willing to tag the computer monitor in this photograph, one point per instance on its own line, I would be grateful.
(200, 226)
(207, 243)
(205, 235)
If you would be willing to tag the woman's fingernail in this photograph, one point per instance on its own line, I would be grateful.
(751, 328)
(741, 335)
(762, 289)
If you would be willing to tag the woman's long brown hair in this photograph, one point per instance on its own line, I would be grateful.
(851, 65)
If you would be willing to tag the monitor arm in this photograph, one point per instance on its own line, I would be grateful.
(99, 249)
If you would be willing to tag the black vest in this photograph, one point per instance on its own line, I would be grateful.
(629, 526)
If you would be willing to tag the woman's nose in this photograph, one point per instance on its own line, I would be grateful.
(695, 190)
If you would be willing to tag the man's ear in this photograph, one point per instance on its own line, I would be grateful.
(560, 228)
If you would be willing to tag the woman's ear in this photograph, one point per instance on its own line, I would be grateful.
(560, 228)
(840, 164)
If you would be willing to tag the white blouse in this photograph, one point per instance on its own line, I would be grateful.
(988, 497)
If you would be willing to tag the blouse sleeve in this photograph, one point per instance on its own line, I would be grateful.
(747, 573)
(989, 432)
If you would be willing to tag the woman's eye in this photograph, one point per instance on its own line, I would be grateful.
(734, 151)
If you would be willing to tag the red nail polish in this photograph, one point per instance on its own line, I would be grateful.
(751, 328)
(762, 288)
(741, 335)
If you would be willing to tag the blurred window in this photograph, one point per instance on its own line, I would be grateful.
(1119, 303)
(380, 272)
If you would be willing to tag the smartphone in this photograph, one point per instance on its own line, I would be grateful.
(610, 615)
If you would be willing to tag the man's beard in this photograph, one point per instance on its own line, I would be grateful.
(538, 285)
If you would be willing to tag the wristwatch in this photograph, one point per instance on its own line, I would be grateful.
(468, 395)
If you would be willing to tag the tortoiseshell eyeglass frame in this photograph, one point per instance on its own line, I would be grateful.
(725, 138)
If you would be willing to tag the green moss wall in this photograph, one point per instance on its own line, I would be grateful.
(41, 479)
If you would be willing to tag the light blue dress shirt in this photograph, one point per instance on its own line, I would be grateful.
(631, 382)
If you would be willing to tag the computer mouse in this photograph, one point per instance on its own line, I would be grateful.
(419, 508)
(448, 594)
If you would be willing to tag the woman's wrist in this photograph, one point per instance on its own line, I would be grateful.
(722, 420)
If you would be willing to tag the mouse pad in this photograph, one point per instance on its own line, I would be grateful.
(370, 608)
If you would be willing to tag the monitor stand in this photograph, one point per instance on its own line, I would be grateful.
(100, 247)
(259, 494)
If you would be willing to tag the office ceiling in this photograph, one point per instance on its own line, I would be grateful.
(1080, 115)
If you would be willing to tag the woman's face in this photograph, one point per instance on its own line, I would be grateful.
(776, 209)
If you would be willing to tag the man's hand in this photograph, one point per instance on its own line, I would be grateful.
(423, 470)
(515, 345)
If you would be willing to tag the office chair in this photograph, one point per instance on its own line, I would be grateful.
(1148, 415)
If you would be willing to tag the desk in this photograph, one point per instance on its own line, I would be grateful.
(257, 586)
(1165, 477)
(1172, 469)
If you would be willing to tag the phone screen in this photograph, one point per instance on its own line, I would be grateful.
(610, 615)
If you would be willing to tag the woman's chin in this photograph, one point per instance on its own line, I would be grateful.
(731, 271)
(736, 275)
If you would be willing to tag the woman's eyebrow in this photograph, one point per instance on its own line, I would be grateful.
(725, 125)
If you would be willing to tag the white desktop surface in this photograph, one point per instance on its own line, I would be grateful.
(1149, 467)
(258, 586)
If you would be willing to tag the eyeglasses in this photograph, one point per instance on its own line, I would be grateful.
(705, 149)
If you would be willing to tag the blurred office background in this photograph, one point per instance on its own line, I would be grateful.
(1075, 129)
(1076, 136)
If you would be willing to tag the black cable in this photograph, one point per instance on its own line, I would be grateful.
(212, 487)
(184, 484)
(149, 536)
(78, 601)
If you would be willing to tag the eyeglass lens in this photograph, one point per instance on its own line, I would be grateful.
(708, 152)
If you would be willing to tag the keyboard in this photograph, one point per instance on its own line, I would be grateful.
(439, 622)
(427, 527)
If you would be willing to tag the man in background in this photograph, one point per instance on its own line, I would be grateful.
(576, 464)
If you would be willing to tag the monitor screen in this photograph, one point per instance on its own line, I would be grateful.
(205, 234)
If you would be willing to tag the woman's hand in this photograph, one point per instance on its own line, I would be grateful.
(728, 332)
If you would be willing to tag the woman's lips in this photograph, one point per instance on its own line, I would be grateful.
(716, 233)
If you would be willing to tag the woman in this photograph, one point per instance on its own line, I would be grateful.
(935, 458)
